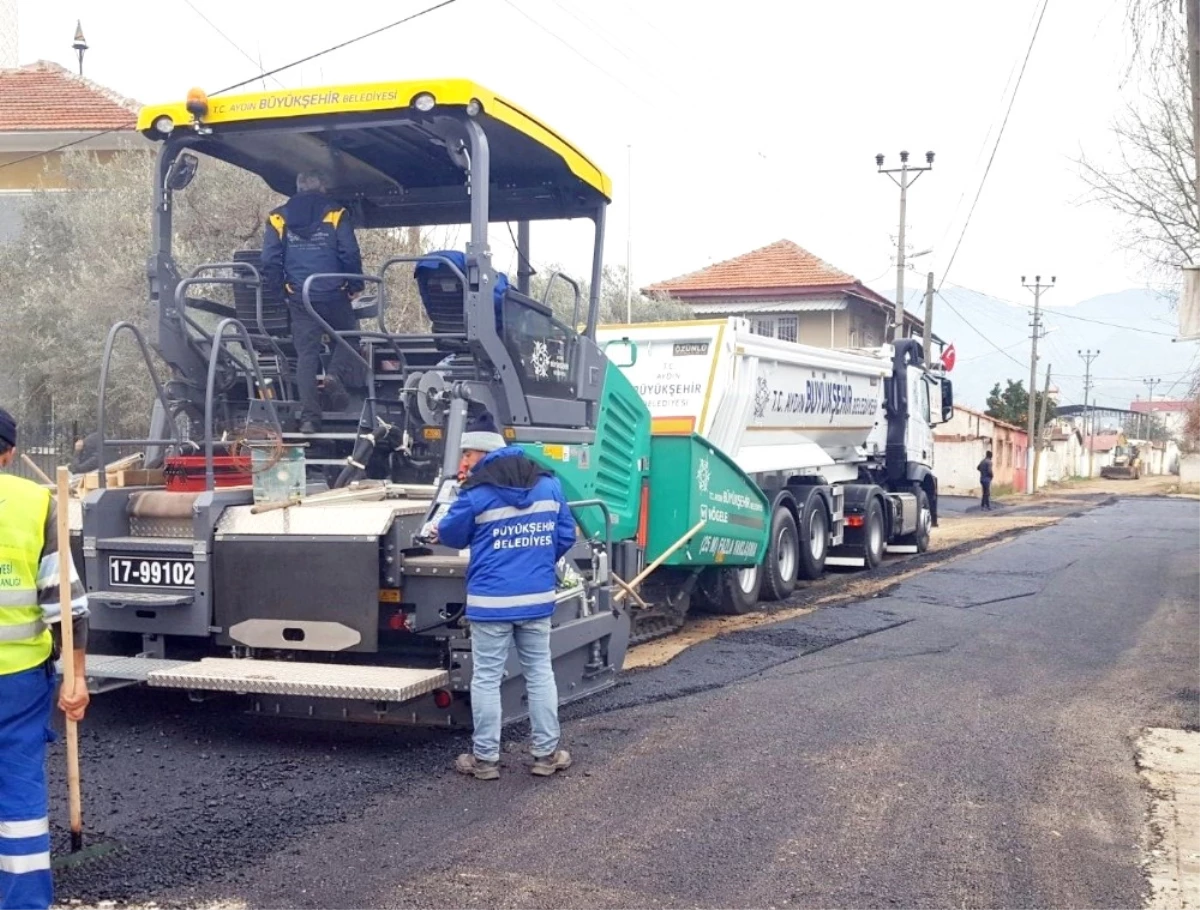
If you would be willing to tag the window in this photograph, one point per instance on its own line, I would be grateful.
(786, 328)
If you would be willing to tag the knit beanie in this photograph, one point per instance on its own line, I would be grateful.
(8, 428)
(481, 435)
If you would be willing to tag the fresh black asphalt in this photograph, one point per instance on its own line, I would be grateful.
(964, 739)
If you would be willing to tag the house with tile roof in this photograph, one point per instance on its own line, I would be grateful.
(45, 109)
(787, 292)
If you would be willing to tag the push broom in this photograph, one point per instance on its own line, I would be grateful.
(78, 854)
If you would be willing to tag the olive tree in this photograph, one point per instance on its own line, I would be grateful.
(79, 265)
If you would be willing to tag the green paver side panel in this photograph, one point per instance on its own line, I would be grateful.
(690, 480)
(612, 468)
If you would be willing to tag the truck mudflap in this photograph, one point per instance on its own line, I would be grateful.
(692, 483)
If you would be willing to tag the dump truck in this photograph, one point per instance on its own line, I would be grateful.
(839, 442)
(329, 601)
(1126, 461)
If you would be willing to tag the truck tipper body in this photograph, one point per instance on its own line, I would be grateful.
(840, 441)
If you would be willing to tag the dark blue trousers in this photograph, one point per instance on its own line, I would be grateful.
(25, 703)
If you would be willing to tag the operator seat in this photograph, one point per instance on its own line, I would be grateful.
(275, 311)
(444, 300)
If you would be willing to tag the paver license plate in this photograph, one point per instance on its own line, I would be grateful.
(151, 572)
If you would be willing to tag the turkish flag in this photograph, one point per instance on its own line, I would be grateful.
(948, 357)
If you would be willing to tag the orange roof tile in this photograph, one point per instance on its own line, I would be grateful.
(782, 264)
(46, 96)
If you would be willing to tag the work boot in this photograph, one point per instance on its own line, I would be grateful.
(336, 394)
(477, 767)
(547, 765)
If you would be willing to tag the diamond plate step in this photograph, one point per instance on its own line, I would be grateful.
(270, 677)
(136, 669)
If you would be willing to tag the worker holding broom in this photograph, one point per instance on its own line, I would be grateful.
(29, 606)
(514, 517)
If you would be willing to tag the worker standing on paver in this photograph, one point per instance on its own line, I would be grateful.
(29, 605)
(985, 480)
(515, 519)
(312, 234)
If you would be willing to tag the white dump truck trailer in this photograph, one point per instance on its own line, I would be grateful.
(840, 441)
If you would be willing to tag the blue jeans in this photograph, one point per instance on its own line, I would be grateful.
(490, 644)
(25, 705)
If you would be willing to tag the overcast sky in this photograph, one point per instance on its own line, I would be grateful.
(756, 121)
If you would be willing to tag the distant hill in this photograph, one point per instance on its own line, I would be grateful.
(1118, 324)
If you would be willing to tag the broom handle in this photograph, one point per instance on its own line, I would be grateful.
(66, 624)
(33, 466)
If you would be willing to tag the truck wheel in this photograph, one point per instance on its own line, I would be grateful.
(814, 538)
(873, 535)
(783, 556)
(920, 539)
(731, 591)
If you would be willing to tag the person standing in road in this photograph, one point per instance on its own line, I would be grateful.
(311, 235)
(515, 519)
(985, 480)
(29, 607)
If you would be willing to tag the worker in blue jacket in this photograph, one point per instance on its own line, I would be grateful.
(310, 235)
(515, 519)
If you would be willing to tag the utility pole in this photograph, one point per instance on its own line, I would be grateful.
(1041, 427)
(928, 319)
(908, 176)
(1088, 356)
(1150, 383)
(1037, 287)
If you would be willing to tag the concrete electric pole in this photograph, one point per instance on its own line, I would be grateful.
(908, 176)
(1088, 356)
(1037, 287)
(1041, 427)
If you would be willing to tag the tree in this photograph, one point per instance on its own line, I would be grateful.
(1152, 181)
(1012, 404)
(1145, 426)
(644, 308)
(79, 266)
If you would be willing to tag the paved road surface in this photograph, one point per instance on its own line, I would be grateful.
(965, 740)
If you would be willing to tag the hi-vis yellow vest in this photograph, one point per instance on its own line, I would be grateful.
(25, 642)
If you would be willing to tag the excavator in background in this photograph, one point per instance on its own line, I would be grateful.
(1126, 460)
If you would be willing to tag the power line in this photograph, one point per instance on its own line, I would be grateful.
(336, 47)
(580, 54)
(971, 325)
(986, 136)
(1066, 315)
(261, 75)
(1111, 325)
(71, 144)
(996, 146)
(229, 40)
